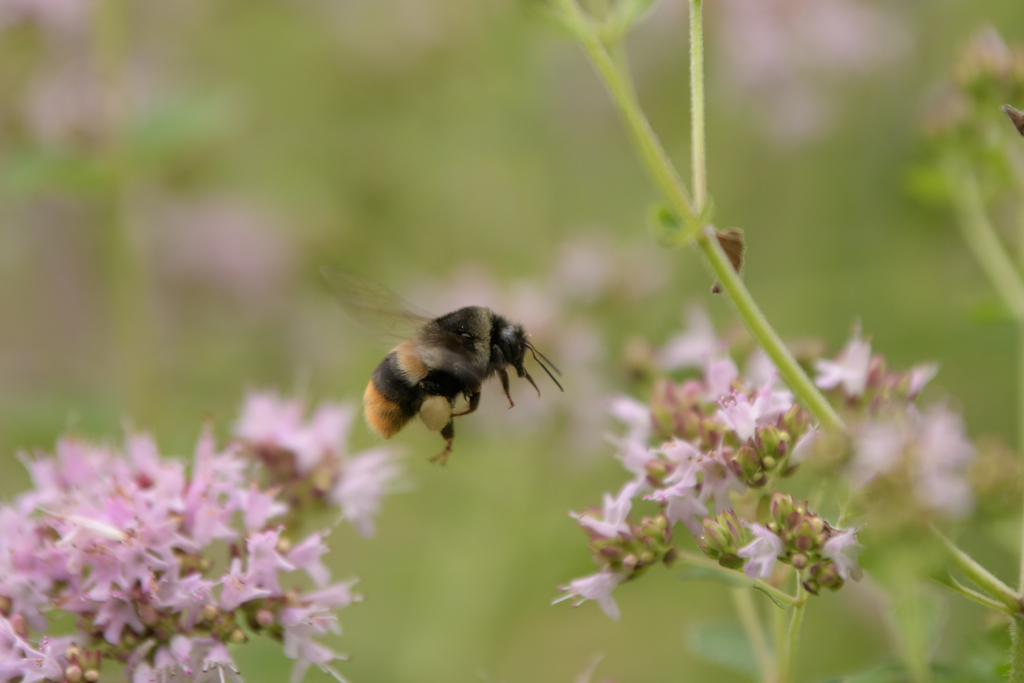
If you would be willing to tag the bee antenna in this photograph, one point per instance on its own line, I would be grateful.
(535, 352)
(533, 349)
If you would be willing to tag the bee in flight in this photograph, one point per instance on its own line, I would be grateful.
(439, 360)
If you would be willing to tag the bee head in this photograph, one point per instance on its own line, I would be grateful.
(514, 343)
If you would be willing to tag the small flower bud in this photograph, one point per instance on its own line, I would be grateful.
(670, 557)
(646, 557)
(209, 612)
(731, 561)
(771, 438)
(92, 675)
(72, 652)
(799, 560)
(73, 674)
(237, 636)
(781, 506)
(284, 545)
(630, 562)
(265, 618)
(6, 604)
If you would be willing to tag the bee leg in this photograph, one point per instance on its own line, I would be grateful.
(449, 435)
(504, 385)
(474, 401)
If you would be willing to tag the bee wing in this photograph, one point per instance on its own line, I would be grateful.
(377, 310)
(451, 353)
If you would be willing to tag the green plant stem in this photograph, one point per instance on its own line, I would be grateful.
(665, 177)
(747, 612)
(698, 137)
(974, 596)
(762, 331)
(982, 239)
(981, 576)
(1017, 650)
(787, 658)
(1005, 276)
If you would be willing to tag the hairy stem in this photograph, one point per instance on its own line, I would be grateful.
(747, 612)
(982, 239)
(698, 142)
(1017, 650)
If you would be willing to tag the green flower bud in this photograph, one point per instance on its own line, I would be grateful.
(782, 506)
(771, 438)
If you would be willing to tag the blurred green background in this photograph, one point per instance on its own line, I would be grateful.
(174, 174)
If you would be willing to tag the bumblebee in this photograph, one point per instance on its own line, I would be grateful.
(442, 359)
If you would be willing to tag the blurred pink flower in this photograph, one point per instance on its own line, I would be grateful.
(849, 370)
(67, 105)
(59, 15)
(224, 244)
(943, 456)
(693, 348)
(364, 481)
(783, 52)
(934, 449)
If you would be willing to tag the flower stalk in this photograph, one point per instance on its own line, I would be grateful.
(747, 612)
(787, 658)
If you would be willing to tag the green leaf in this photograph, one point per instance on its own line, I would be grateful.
(180, 128)
(553, 17)
(31, 171)
(723, 576)
(928, 185)
(665, 226)
(778, 603)
(630, 12)
(990, 311)
(725, 645)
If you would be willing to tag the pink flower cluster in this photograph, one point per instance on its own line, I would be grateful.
(310, 456)
(133, 546)
(714, 439)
